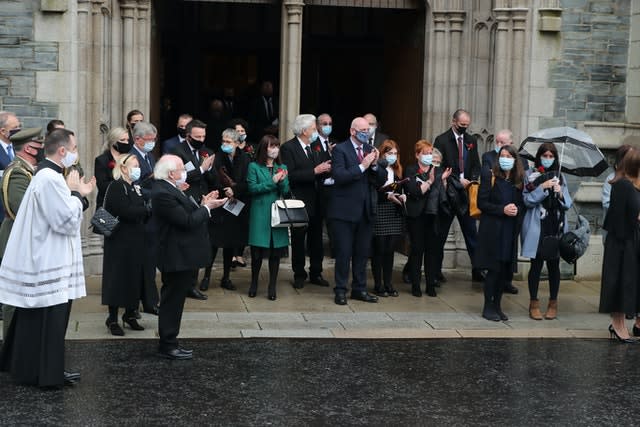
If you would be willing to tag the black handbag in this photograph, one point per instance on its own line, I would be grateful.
(289, 213)
(102, 221)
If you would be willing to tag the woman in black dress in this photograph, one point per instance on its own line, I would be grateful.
(500, 200)
(123, 263)
(619, 294)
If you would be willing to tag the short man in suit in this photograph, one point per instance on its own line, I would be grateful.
(376, 138)
(305, 167)
(352, 209)
(460, 153)
(504, 137)
(198, 162)
(183, 247)
(169, 144)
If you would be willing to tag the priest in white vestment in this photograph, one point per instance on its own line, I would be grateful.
(42, 269)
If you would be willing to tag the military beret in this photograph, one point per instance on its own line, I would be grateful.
(26, 135)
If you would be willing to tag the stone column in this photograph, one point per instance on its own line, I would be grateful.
(518, 98)
(291, 58)
(503, 74)
(143, 47)
(128, 49)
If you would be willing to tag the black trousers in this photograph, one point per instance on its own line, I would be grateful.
(425, 246)
(307, 239)
(149, 291)
(469, 230)
(175, 287)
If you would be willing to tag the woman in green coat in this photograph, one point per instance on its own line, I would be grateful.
(267, 180)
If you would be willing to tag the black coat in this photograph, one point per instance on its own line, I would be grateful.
(123, 260)
(416, 201)
(199, 183)
(492, 221)
(448, 146)
(103, 172)
(302, 180)
(228, 230)
(182, 230)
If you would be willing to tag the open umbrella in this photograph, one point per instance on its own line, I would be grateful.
(579, 156)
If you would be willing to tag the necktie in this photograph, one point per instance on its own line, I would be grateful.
(460, 156)
(10, 151)
(195, 154)
(148, 161)
(307, 149)
(360, 156)
(270, 109)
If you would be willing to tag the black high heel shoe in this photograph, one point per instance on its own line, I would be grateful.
(636, 331)
(133, 323)
(613, 333)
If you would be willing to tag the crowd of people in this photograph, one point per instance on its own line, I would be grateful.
(208, 192)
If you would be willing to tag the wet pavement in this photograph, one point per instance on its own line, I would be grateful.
(512, 382)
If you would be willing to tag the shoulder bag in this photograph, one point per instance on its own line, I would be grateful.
(289, 213)
(102, 221)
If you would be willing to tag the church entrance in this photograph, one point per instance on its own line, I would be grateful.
(354, 60)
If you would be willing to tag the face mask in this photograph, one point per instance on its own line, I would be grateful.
(327, 130)
(426, 159)
(272, 153)
(195, 143)
(391, 159)
(314, 136)
(546, 163)
(148, 147)
(122, 147)
(134, 174)
(182, 132)
(497, 149)
(182, 179)
(461, 130)
(506, 163)
(362, 136)
(372, 130)
(69, 159)
(243, 137)
(227, 148)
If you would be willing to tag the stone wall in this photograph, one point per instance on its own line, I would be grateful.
(20, 59)
(590, 73)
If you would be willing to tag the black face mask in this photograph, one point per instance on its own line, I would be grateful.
(182, 132)
(461, 130)
(195, 143)
(122, 147)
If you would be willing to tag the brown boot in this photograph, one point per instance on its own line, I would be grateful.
(534, 310)
(552, 310)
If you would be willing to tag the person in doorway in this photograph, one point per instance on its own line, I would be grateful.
(376, 138)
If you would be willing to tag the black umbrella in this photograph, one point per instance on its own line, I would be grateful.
(579, 156)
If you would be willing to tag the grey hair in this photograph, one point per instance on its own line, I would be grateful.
(231, 134)
(167, 164)
(4, 117)
(302, 123)
(436, 152)
(143, 128)
(505, 132)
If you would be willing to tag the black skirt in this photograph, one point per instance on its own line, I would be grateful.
(389, 219)
(619, 292)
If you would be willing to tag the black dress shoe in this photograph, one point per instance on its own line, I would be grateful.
(153, 310)
(478, 275)
(133, 323)
(341, 299)
(252, 293)
(204, 284)
(185, 350)
(227, 284)
(440, 278)
(363, 296)
(114, 328)
(298, 283)
(319, 280)
(196, 294)
(391, 291)
(175, 354)
(380, 292)
(510, 289)
(70, 378)
(272, 297)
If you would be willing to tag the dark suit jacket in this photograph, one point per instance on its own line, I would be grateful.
(103, 174)
(448, 146)
(354, 195)
(146, 172)
(258, 115)
(489, 159)
(199, 183)
(302, 180)
(416, 201)
(182, 230)
(379, 138)
(169, 144)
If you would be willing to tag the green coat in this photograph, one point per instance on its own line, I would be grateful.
(18, 174)
(264, 192)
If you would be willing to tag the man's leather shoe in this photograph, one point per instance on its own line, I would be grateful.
(196, 294)
(204, 284)
(185, 350)
(175, 354)
(341, 299)
(227, 284)
(319, 280)
(71, 378)
(510, 289)
(478, 275)
(363, 296)
(298, 283)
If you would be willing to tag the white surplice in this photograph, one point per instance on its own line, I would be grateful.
(42, 265)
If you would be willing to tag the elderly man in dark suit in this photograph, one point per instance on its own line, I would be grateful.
(305, 168)
(198, 162)
(183, 247)
(376, 138)
(169, 144)
(460, 153)
(352, 209)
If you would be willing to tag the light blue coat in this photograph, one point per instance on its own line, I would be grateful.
(530, 234)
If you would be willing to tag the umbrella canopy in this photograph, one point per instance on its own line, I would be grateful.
(579, 156)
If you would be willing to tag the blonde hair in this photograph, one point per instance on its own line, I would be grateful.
(113, 136)
(121, 161)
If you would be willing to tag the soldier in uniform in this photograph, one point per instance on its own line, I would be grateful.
(29, 151)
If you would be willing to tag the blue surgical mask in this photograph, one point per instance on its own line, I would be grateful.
(426, 159)
(546, 163)
(148, 147)
(327, 129)
(227, 148)
(362, 136)
(391, 159)
(314, 136)
(497, 148)
(134, 174)
(506, 163)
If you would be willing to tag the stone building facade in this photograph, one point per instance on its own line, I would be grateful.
(518, 64)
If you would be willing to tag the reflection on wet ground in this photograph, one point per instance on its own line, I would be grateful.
(340, 382)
